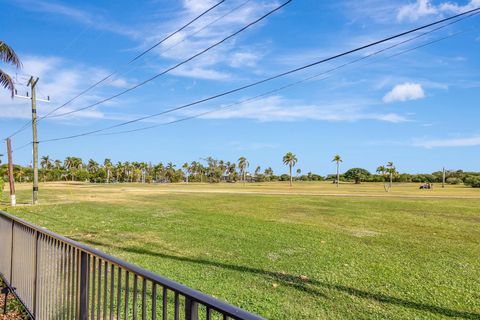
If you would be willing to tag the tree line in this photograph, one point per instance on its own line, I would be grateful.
(212, 170)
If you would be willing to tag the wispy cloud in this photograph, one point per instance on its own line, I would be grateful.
(280, 109)
(448, 143)
(425, 8)
(89, 18)
(404, 92)
(60, 79)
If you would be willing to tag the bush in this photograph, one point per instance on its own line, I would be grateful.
(473, 181)
(1, 185)
(454, 181)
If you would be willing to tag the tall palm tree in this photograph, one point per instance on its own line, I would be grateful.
(243, 165)
(291, 160)
(107, 164)
(186, 167)
(8, 55)
(45, 162)
(337, 159)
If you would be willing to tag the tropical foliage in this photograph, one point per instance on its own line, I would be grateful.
(8, 56)
(215, 171)
(290, 160)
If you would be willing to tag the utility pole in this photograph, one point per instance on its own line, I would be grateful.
(33, 83)
(443, 178)
(13, 200)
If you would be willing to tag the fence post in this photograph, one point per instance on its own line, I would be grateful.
(191, 309)
(83, 287)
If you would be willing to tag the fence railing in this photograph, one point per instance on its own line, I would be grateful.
(57, 278)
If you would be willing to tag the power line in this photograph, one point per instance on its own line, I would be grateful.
(114, 72)
(257, 97)
(268, 79)
(193, 33)
(175, 66)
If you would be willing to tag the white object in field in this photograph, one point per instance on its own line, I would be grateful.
(13, 200)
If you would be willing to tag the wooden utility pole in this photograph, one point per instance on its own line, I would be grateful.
(443, 178)
(33, 83)
(13, 200)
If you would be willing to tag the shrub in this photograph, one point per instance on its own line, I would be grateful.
(454, 180)
(1, 185)
(473, 181)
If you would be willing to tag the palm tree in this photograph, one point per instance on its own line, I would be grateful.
(291, 160)
(243, 165)
(186, 167)
(45, 162)
(107, 163)
(7, 55)
(388, 170)
(337, 159)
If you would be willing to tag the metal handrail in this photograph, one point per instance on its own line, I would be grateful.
(83, 273)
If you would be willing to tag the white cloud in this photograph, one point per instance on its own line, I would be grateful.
(61, 80)
(448, 143)
(423, 8)
(244, 59)
(404, 92)
(277, 108)
(201, 73)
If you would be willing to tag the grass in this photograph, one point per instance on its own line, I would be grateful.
(310, 252)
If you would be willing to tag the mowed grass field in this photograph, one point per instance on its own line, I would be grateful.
(308, 252)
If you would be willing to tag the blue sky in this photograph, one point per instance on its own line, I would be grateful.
(418, 109)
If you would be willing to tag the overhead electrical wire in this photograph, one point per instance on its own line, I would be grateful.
(116, 71)
(188, 36)
(267, 79)
(176, 65)
(327, 72)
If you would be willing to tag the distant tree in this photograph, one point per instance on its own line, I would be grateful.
(337, 159)
(107, 164)
(243, 165)
(257, 171)
(357, 174)
(268, 173)
(291, 160)
(8, 55)
(299, 171)
(473, 181)
(186, 168)
(387, 171)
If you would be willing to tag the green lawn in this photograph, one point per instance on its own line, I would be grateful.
(298, 256)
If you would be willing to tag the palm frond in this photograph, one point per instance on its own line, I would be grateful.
(8, 55)
(7, 82)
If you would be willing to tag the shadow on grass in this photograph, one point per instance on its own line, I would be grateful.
(310, 286)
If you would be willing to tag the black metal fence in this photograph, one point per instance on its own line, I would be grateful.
(57, 278)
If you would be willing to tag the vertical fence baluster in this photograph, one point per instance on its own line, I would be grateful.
(191, 309)
(154, 301)
(83, 286)
(209, 313)
(94, 269)
(135, 293)
(127, 287)
(112, 289)
(119, 293)
(99, 290)
(177, 307)
(144, 299)
(164, 302)
(105, 290)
